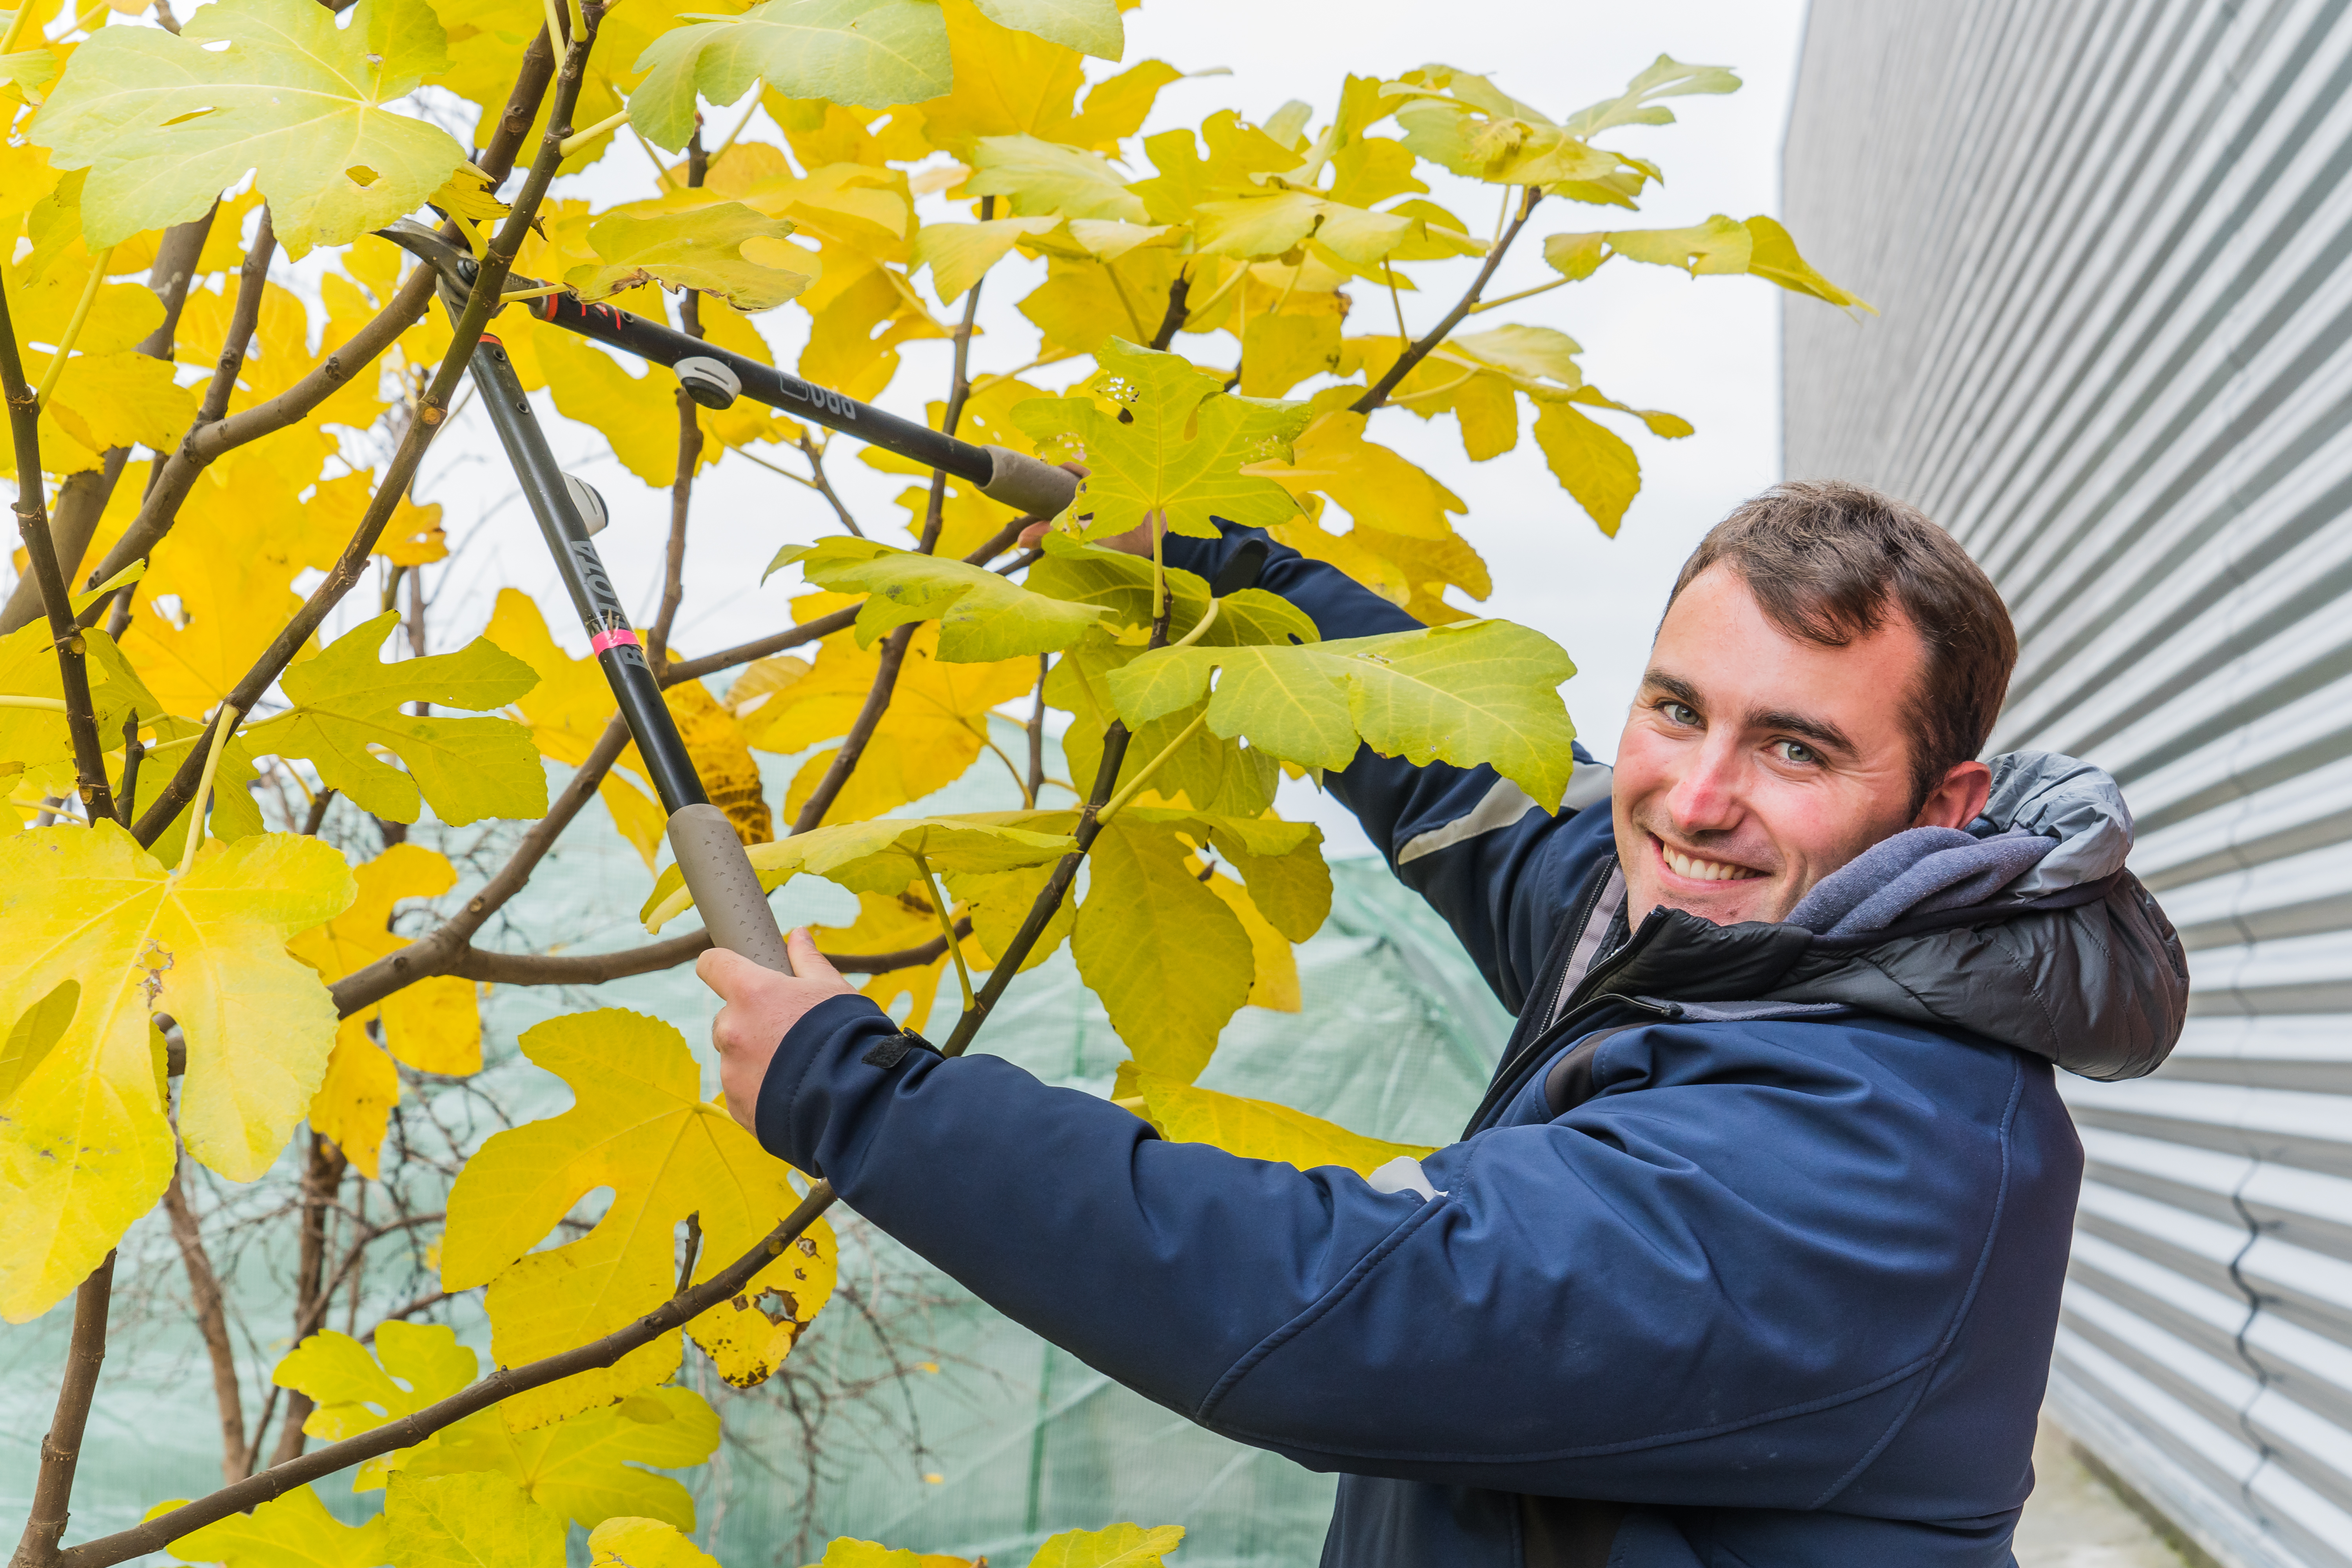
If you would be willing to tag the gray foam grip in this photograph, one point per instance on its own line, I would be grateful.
(1039, 489)
(726, 890)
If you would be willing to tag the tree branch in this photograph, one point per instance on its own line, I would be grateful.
(211, 1323)
(1174, 318)
(689, 453)
(432, 953)
(1049, 898)
(432, 408)
(33, 525)
(761, 647)
(82, 500)
(45, 1524)
(410, 1430)
(1419, 349)
(596, 968)
(853, 745)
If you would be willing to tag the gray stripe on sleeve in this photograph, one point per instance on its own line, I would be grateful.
(1505, 804)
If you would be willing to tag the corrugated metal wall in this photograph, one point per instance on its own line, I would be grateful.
(2112, 243)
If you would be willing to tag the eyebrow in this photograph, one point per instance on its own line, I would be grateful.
(1820, 731)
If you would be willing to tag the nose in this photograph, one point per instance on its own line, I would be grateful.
(1709, 796)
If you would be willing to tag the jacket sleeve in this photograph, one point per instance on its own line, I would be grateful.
(1723, 1288)
(1488, 858)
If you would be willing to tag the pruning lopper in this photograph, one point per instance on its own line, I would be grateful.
(710, 856)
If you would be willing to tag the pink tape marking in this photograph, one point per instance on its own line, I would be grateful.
(623, 638)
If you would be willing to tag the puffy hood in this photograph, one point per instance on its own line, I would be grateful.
(2026, 930)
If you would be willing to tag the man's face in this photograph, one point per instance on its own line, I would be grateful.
(1754, 763)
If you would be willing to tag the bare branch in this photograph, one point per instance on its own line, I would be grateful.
(211, 1323)
(596, 968)
(45, 1524)
(411, 1429)
(33, 526)
(1419, 349)
(853, 745)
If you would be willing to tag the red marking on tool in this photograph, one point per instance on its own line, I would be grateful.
(622, 637)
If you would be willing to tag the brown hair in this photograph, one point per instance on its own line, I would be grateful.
(1822, 559)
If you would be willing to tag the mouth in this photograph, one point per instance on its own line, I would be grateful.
(1697, 870)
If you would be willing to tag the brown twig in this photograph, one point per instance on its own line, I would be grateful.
(1419, 349)
(1036, 728)
(322, 1177)
(410, 1430)
(1174, 320)
(596, 968)
(432, 953)
(853, 745)
(689, 453)
(432, 408)
(244, 317)
(1049, 898)
(127, 795)
(45, 1524)
(759, 647)
(33, 526)
(211, 1323)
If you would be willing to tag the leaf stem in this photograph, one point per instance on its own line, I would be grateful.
(1143, 776)
(1161, 603)
(1200, 627)
(223, 722)
(1515, 298)
(1414, 352)
(41, 704)
(1028, 795)
(73, 327)
(579, 139)
(947, 925)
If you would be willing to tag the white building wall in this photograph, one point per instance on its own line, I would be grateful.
(2112, 245)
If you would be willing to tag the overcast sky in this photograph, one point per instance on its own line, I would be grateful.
(1706, 349)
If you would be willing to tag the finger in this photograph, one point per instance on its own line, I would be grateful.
(807, 962)
(1032, 533)
(1079, 469)
(725, 972)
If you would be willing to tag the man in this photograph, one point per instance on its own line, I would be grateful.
(1752, 1255)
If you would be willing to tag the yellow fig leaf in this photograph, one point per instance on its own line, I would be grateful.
(353, 1106)
(1257, 228)
(959, 254)
(701, 248)
(869, 53)
(877, 857)
(1376, 487)
(1719, 245)
(1118, 1546)
(1045, 179)
(84, 1149)
(848, 1551)
(1775, 259)
(1256, 1129)
(1481, 691)
(1274, 978)
(639, 1126)
(292, 1531)
(584, 1467)
(1530, 354)
(28, 667)
(163, 123)
(119, 399)
(643, 1543)
(730, 777)
(1183, 455)
(477, 1519)
(1169, 961)
(352, 1391)
(232, 579)
(982, 618)
(1280, 351)
(636, 414)
(433, 1024)
(346, 702)
(1591, 462)
(1090, 26)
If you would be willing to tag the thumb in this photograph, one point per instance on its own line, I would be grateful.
(724, 971)
(807, 962)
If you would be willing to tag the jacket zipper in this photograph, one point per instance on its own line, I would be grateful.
(1586, 998)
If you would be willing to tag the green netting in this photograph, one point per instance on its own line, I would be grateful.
(910, 1414)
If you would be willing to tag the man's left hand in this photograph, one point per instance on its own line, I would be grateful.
(761, 1008)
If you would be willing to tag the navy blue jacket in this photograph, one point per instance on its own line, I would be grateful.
(1727, 1270)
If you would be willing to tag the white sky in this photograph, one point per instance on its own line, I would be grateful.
(1708, 349)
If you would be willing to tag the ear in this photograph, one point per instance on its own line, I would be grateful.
(1958, 798)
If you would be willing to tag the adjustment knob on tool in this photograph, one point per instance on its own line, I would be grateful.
(708, 381)
(587, 503)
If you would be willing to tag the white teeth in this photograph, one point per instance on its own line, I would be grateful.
(1703, 871)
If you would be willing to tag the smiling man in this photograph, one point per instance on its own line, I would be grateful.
(1752, 1255)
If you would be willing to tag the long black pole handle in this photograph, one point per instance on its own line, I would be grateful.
(1036, 489)
(709, 856)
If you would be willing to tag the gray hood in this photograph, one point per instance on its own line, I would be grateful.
(2026, 930)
